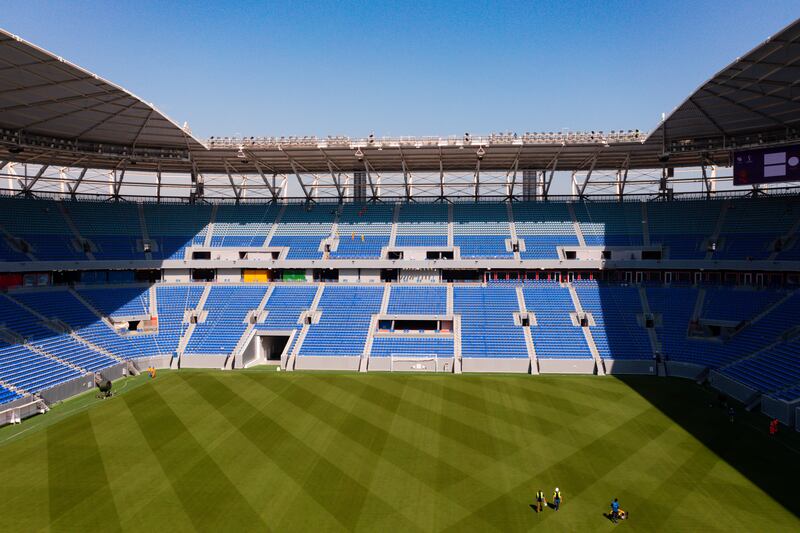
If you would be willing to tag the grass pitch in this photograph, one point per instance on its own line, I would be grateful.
(257, 450)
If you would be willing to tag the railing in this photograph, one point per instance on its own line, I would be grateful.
(338, 141)
(552, 198)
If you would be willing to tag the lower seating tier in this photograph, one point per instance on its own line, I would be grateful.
(50, 336)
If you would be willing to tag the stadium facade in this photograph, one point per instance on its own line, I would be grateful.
(129, 243)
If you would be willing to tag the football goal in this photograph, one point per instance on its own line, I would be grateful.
(402, 362)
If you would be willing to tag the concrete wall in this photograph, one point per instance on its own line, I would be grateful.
(68, 389)
(416, 254)
(684, 370)
(732, 388)
(157, 362)
(348, 275)
(19, 401)
(115, 372)
(251, 352)
(181, 265)
(784, 411)
(229, 275)
(384, 364)
(624, 366)
(359, 275)
(311, 362)
(517, 365)
(370, 275)
(177, 275)
(566, 366)
(203, 361)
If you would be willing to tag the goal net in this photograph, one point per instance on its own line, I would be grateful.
(400, 362)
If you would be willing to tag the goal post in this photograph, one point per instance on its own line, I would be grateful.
(403, 362)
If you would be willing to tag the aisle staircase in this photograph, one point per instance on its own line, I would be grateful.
(290, 361)
(187, 334)
(599, 364)
(526, 331)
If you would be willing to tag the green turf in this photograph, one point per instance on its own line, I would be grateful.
(233, 451)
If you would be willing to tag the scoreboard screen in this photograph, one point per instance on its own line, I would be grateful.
(769, 165)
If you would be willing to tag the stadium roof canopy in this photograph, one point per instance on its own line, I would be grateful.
(56, 113)
(754, 101)
(48, 101)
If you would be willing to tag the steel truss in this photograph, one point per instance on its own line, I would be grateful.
(126, 181)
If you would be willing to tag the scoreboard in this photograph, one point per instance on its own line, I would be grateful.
(769, 165)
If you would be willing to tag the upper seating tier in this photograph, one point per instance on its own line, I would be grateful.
(724, 230)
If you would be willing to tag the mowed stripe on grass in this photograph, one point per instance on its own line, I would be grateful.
(233, 451)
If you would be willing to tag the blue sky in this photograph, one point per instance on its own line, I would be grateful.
(402, 68)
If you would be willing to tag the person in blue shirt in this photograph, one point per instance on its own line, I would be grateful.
(556, 499)
(615, 510)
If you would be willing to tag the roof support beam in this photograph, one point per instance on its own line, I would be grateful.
(511, 180)
(258, 163)
(236, 190)
(296, 168)
(369, 178)
(513, 174)
(158, 186)
(264, 178)
(29, 186)
(623, 174)
(266, 181)
(441, 175)
(476, 180)
(299, 179)
(706, 181)
(405, 175)
(197, 191)
(73, 190)
(336, 180)
(589, 175)
(548, 183)
(118, 181)
(335, 176)
(552, 166)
